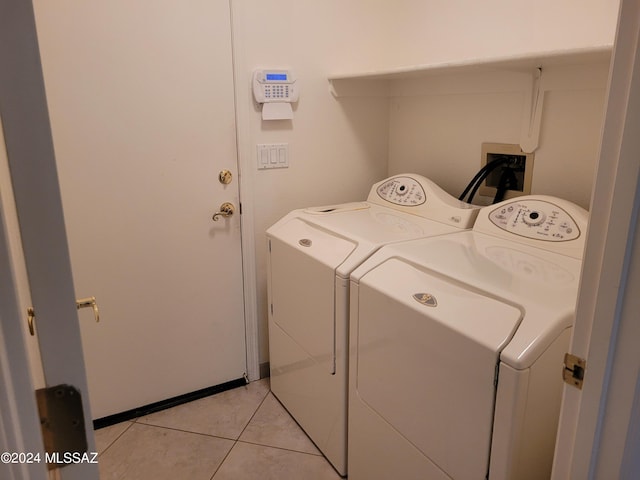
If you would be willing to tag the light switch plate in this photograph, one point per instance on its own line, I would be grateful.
(272, 155)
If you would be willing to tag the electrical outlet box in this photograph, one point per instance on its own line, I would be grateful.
(520, 164)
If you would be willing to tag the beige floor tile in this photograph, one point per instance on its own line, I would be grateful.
(257, 462)
(273, 426)
(107, 435)
(224, 415)
(152, 453)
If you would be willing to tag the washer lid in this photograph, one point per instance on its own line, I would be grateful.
(485, 321)
(540, 283)
(441, 341)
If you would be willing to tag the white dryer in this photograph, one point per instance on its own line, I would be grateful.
(457, 345)
(312, 252)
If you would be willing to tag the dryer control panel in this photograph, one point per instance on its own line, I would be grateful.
(541, 221)
(536, 219)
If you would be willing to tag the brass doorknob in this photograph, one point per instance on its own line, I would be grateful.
(89, 302)
(80, 303)
(31, 316)
(225, 177)
(226, 210)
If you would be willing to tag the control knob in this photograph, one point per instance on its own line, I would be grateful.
(534, 218)
(402, 190)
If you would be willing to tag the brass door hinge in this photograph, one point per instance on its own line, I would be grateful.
(62, 423)
(573, 370)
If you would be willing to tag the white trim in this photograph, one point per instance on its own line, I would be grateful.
(245, 179)
(37, 198)
(19, 426)
(619, 359)
(594, 421)
(616, 442)
(631, 460)
(19, 421)
(615, 226)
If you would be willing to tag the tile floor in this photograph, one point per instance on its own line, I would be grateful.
(240, 434)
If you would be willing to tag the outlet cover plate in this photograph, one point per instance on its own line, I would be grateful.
(272, 155)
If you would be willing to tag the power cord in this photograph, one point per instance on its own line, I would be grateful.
(508, 181)
(477, 180)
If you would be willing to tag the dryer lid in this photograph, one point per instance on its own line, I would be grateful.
(331, 209)
(326, 247)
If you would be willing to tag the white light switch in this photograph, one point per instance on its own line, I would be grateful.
(263, 158)
(273, 155)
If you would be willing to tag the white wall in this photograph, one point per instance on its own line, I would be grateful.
(338, 149)
(438, 125)
(434, 31)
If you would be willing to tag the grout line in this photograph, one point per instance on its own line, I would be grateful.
(115, 439)
(254, 413)
(187, 431)
(237, 440)
(224, 459)
(319, 454)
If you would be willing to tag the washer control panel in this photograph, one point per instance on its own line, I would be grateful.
(402, 191)
(535, 219)
(419, 196)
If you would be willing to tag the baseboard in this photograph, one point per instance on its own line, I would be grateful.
(164, 404)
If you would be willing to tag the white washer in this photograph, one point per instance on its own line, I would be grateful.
(457, 345)
(312, 252)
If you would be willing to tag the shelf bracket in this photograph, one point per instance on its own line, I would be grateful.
(532, 114)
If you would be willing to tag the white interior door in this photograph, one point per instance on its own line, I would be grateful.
(141, 101)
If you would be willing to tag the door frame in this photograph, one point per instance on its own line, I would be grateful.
(600, 425)
(29, 148)
(19, 420)
(246, 167)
